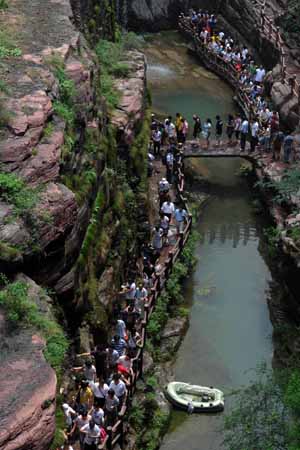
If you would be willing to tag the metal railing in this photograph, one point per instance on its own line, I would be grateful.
(115, 434)
(228, 71)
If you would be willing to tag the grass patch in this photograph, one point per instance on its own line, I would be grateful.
(110, 55)
(9, 253)
(3, 4)
(15, 191)
(8, 47)
(22, 312)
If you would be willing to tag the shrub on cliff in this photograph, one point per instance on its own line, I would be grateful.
(21, 311)
(266, 414)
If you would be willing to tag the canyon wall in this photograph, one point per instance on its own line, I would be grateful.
(73, 210)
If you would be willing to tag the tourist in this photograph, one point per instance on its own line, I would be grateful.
(119, 344)
(169, 165)
(88, 370)
(219, 130)
(230, 128)
(85, 395)
(288, 147)
(254, 135)
(98, 414)
(180, 219)
(80, 421)
(244, 133)
(164, 185)
(70, 415)
(164, 225)
(260, 74)
(207, 131)
(66, 445)
(171, 131)
(120, 326)
(130, 292)
(157, 240)
(168, 209)
(197, 126)
(100, 390)
(112, 357)
(125, 365)
(130, 316)
(237, 126)
(156, 138)
(119, 388)
(277, 145)
(185, 129)
(179, 126)
(111, 407)
(91, 433)
(140, 299)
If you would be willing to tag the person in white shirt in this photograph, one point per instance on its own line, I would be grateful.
(126, 362)
(91, 433)
(168, 209)
(156, 138)
(254, 135)
(140, 299)
(100, 390)
(97, 415)
(118, 386)
(89, 371)
(164, 185)
(120, 328)
(170, 130)
(260, 74)
(130, 294)
(79, 422)
(69, 414)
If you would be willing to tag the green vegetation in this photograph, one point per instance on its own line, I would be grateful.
(8, 47)
(284, 189)
(266, 414)
(148, 420)
(294, 233)
(22, 312)
(15, 191)
(272, 235)
(3, 4)
(111, 56)
(9, 253)
(290, 20)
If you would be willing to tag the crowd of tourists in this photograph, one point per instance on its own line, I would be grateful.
(263, 129)
(102, 383)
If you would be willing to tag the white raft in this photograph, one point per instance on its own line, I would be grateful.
(195, 398)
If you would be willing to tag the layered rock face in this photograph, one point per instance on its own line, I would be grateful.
(66, 159)
(28, 384)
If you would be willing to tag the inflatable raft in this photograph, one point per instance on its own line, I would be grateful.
(195, 398)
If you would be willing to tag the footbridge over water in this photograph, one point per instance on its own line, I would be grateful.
(195, 149)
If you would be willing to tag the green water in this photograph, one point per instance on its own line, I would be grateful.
(230, 331)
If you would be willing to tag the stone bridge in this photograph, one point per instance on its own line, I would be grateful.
(197, 149)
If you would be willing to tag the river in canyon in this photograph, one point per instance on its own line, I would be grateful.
(230, 331)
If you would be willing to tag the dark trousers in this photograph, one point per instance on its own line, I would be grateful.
(156, 148)
(253, 143)
(243, 141)
(90, 446)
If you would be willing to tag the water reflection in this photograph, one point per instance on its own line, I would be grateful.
(237, 233)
